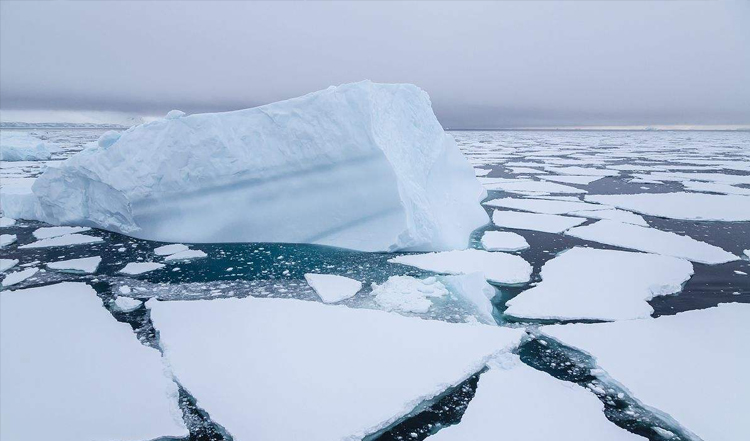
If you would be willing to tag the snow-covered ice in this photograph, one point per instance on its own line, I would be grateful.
(185, 255)
(174, 248)
(7, 239)
(87, 265)
(503, 241)
(687, 206)
(474, 289)
(612, 214)
(7, 222)
(548, 223)
(6, 264)
(63, 241)
(652, 240)
(108, 138)
(368, 164)
(497, 267)
(135, 268)
(482, 171)
(692, 366)
(126, 304)
(70, 372)
(587, 283)
(531, 406)
(19, 276)
(712, 187)
(349, 373)
(48, 232)
(545, 206)
(332, 288)
(580, 180)
(522, 186)
(582, 171)
(408, 294)
(22, 146)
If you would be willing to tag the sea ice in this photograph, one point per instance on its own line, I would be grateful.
(64, 358)
(332, 288)
(692, 366)
(48, 232)
(522, 186)
(174, 248)
(503, 241)
(185, 255)
(687, 206)
(544, 206)
(63, 241)
(652, 240)
(22, 146)
(497, 267)
(534, 406)
(126, 304)
(612, 214)
(135, 268)
(368, 164)
(87, 265)
(582, 171)
(482, 171)
(548, 223)
(712, 187)
(7, 239)
(408, 294)
(312, 371)
(17, 277)
(6, 264)
(7, 222)
(474, 289)
(586, 283)
(580, 180)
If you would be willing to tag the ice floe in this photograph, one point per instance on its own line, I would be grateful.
(548, 223)
(497, 267)
(48, 232)
(63, 241)
(522, 186)
(332, 288)
(7, 239)
(6, 264)
(362, 369)
(65, 359)
(86, 265)
(652, 240)
(712, 187)
(688, 206)
(587, 283)
(482, 171)
(19, 276)
(534, 406)
(503, 241)
(174, 248)
(582, 171)
(544, 206)
(185, 255)
(580, 180)
(662, 361)
(7, 222)
(126, 304)
(135, 268)
(612, 214)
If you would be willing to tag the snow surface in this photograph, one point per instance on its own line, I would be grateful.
(174, 248)
(587, 283)
(692, 366)
(544, 205)
(312, 371)
(87, 265)
(126, 304)
(548, 223)
(7, 239)
(64, 359)
(652, 240)
(47, 232)
(185, 255)
(134, 268)
(687, 206)
(6, 264)
(22, 146)
(207, 178)
(332, 288)
(63, 241)
(497, 267)
(17, 277)
(532, 406)
(7, 222)
(503, 241)
(408, 294)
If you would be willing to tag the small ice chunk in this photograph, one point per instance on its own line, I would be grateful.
(548, 223)
(7, 222)
(108, 138)
(64, 241)
(7, 239)
(124, 289)
(19, 276)
(134, 268)
(87, 265)
(166, 250)
(497, 267)
(126, 304)
(332, 288)
(407, 294)
(174, 114)
(6, 264)
(47, 232)
(503, 241)
(185, 255)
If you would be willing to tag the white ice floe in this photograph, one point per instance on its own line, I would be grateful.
(22, 146)
(207, 177)
(332, 288)
(108, 138)
(48, 232)
(7, 239)
(185, 255)
(612, 214)
(7, 222)
(580, 180)
(497, 267)
(586, 283)
(408, 294)
(363, 369)
(64, 241)
(64, 358)
(87, 265)
(135, 268)
(17, 277)
(544, 205)
(534, 406)
(503, 241)
(6, 264)
(473, 289)
(482, 171)
(522, 186)
(688, 206)
(126, 304)
(174, 248)
(712, 187)
(526, 170)
(548, 223)
(581, 171)
(662, 361)
(652, 240)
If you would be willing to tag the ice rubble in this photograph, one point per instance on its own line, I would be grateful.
(48, 232)
(687, 206)
(658, 360)
(332, 288)
(86, 265)
(580, 180)
(368, 164)
(503, 241)
(19, 276)
(652, 240)
(497, 267)
(22, 146)
(351, 372)
(70, 372)
(408, 294)
(548, 223)
(586, 283)
(533, 406)
(63, 241)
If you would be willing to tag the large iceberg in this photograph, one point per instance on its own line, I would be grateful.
(364, 166)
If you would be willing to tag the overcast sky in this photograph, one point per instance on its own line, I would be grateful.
(484, 64)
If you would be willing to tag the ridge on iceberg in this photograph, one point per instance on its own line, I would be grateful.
(364, 166)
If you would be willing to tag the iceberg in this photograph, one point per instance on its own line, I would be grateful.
(364, 166)
(22, 146)
(63, 241)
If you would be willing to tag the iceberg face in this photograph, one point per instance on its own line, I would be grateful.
(364, 166)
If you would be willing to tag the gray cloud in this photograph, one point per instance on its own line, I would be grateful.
(485, 64)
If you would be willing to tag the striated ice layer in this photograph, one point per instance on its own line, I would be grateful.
(364, 166)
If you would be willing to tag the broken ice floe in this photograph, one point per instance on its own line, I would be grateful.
(497, 267)
(503, 241)
(135, 268)
(687, 206)
(64, 241)
(85, 265)
(19, 276)
(332, 288)
(7, 239)
(548, 223)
